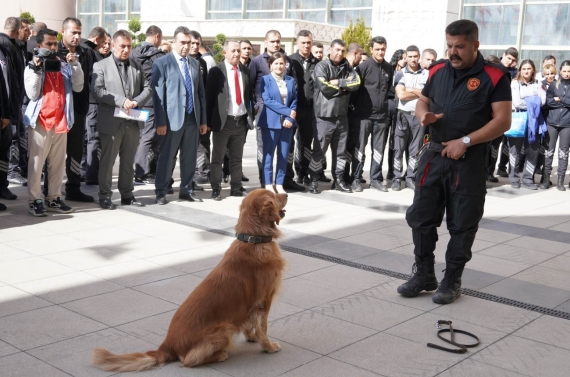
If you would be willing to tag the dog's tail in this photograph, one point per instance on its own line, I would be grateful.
(131, 362)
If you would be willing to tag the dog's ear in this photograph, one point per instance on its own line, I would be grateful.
(269, 211)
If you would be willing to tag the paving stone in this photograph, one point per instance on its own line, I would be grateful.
(325, 366)
(548, 330)
(475, 368)
(22, 364)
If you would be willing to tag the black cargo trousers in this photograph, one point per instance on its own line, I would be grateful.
(452, 187)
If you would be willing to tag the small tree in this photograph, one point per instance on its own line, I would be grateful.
(358, 33)
(134, 29)
(28, 16)
(218, 47)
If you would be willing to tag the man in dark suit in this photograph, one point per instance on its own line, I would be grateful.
(180, 115)
(118, 82)
(229, 106)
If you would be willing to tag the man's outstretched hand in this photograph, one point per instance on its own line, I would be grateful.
(430, 118)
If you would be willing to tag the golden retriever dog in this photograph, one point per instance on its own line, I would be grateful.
(235, 297)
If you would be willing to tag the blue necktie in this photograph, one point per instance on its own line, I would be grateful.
(188, 85)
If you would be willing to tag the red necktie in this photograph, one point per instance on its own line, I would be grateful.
(238, 89)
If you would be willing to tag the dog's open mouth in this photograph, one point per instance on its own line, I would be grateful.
(282, 213)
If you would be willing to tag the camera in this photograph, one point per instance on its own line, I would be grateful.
(50, 62)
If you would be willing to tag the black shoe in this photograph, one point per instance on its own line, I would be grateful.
(216, 194)
(300, 179)
(37, 208)
(314, 186)
(132, 201)
(240, 193)
(423, 278)
(396, 185)
(324, 178)
(226, 178)
(530, 186)
(190, 197)
(78, 196)
(450, 288)
(545, 185)
(410, 184)
(390, 176)
(3, 207)
(502, 173)
(170, 191)
(356, 187)
(195, 187)
(139, 181)
(291, 185)
(201, 179)
(362, 180)
(342, 187)
(17, 179)
(93, 183)
(5, 193)
(560, 184)
(244, 178)
(106, 203)
(516, 185)
(58, 205)
(492, 178)
(161, 200)
(377, 185)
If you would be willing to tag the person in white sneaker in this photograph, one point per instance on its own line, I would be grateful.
(49, 117)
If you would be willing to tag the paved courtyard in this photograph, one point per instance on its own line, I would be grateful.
(70, 283)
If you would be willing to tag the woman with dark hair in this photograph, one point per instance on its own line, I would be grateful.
(528, 96)
(558, 121)
(276, 119)
(397, 62)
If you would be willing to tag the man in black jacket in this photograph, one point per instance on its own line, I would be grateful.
(4, 107)
(371, 111)
(229, 99)
(304, 64)
(334, 79)
(147, 152)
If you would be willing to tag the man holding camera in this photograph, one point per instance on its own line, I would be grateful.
(50, 116)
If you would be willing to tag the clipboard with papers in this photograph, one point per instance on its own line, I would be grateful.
(133, 114)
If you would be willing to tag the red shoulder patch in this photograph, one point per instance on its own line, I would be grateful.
(494, 73)
(434, 69)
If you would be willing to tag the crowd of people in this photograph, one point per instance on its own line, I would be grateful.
(149, 104)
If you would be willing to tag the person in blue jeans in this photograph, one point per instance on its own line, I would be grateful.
(276, 119)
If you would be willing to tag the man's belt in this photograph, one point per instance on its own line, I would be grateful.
(237, 118)
(412, 113)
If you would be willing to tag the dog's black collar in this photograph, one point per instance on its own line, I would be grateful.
(253, 239)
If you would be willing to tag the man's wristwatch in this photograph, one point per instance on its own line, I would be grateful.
(467, 141)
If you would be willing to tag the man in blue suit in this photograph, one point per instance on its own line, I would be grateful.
(179, 107)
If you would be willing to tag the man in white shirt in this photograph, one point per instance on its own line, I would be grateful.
(229, 99)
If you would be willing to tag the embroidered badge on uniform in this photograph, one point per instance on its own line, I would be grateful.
(473, 84)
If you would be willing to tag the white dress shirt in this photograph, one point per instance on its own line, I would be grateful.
(233, 108)
(178, 57)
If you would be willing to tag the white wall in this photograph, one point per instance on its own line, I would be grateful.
(51, 12)
(165, 10)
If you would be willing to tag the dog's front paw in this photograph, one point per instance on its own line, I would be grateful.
(272, 347)
(223, 356)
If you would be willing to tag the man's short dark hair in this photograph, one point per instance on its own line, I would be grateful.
(379, 40)
(549, 57)
(338, 42)
(123, 34)
(152, 31)
(318, 45)
(13, 24)
(42, 33)
(353, 47)
(245, 41)
(97, 32)
(413, 48)
(465, 28)
(69, 20)
(493, 59)
(194, 34)
(272, 32)
(25, 20)
(429, 51)
(181, 29)
(36, 27)
(513, 52)
(304, 33)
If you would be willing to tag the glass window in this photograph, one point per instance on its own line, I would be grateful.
(497, 23)
(87, 6)
(307, 4)
(538, 55)
(312, 16)
(226, 5)
(109, 22)
(115, 5)
(224, 16)
(343, 17)
(264, 15)
(136, 6)
(265, 4)
(490, 1)
(546, 24)
(497, 53)
(351, 3)
(88, 22)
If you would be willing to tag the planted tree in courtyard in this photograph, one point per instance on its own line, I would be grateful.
(218, 47)
(358, 33)
(134, 29)
(28, 16)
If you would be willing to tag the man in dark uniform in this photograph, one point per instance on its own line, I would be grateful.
(466, 102)
(304, 64)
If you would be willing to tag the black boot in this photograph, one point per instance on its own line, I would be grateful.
(314, 186)
(545, 182)
(450, 288)
(423, 278)
(560, 184)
